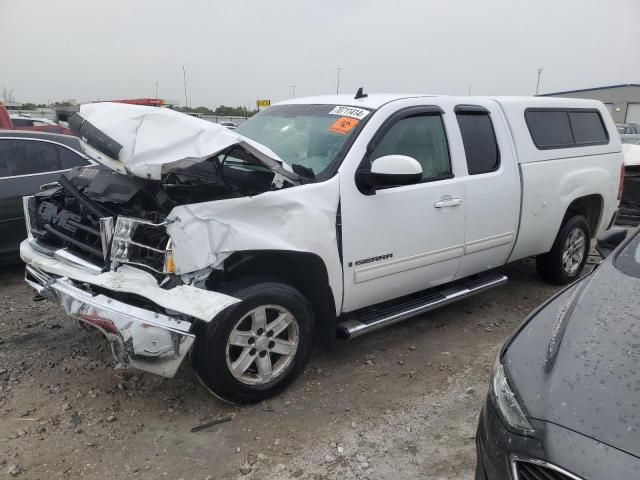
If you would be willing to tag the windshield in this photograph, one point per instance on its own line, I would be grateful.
(309, 136)
(628, 260)
(635, 140)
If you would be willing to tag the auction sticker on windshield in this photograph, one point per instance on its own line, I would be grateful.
(353, 112)
(343, 125)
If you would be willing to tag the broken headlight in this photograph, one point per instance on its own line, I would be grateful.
(142, 243)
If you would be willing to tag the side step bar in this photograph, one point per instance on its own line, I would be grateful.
(374, 318)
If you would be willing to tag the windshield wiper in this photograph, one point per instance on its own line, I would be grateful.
(303, 171)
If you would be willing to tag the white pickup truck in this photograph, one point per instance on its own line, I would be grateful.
(317, 218)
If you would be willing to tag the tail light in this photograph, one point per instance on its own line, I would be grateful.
(621, 185)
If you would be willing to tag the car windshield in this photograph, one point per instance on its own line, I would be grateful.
(628, 260)
(310, 136)
(632, 140)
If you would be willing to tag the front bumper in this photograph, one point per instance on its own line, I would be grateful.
(139, 338)
(495, 445)
(566, 454)
(154, 336)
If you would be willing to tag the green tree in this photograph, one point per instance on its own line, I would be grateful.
(64, 103)
(221, 111)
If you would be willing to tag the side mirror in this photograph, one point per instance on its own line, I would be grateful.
(389, 171)
(608, 240)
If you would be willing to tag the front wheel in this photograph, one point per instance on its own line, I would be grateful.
(257, 347)
(564, 263)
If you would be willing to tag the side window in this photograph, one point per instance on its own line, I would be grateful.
(70, 159)
(549, 129)
(22, 122)
(479, 139)
(566, 128)
(421, 137)
(6, 165)
(587, 127)
(24, 157)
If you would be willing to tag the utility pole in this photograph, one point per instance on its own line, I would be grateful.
(184, 76)
(338, 82)
(293, 91)
(156, 90)
(538, 84)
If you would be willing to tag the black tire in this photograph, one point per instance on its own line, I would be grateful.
(551, 265)
(209, 355)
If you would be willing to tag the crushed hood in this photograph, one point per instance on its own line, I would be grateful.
(149, 141)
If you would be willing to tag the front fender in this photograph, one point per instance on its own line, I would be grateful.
(299, 219)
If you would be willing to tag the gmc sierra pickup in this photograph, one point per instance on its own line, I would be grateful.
(317, 218)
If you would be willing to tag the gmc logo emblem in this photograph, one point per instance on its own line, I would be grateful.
(63, 219)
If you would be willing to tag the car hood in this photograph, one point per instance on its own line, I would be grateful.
(156, 140)
(586, 378)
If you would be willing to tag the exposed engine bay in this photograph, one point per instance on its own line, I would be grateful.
(70, 215)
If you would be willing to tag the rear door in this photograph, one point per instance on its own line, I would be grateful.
(492, 187)
(25, 165)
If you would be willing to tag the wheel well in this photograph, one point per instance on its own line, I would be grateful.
(590, 206)
(301, 270)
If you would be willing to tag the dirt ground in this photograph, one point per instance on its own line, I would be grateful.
(398, 403)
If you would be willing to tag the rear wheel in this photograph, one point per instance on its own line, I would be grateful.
(257, 347)
(564, 263)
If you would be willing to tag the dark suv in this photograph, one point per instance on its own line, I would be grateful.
(27, 161)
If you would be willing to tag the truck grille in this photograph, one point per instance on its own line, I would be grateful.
(538, 471)
(102, 241)
(65, 225)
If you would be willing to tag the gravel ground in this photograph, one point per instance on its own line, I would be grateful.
(398, 403)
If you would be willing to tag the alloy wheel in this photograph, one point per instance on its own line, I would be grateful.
(262, 344)
(574, 251)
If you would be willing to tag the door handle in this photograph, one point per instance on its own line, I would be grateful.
(448, 202)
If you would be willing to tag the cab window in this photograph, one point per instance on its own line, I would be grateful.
(479, 139)
(421, 137)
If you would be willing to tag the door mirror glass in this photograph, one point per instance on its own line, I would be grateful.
(390, 171)
(607, 241)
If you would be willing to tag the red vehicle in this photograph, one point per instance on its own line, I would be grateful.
(27, 123)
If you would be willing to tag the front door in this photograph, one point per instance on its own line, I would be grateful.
(408, 238)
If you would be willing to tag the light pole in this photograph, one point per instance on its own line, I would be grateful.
(338, 82)
(469, 90)
(293, 91)
(184, 77)
(156, 90)
(538, 84)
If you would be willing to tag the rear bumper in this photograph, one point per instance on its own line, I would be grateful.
(139, 338)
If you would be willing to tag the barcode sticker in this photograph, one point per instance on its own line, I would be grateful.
(353, 112)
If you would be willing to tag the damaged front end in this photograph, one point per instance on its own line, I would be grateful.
(139, 338)
(98, 243)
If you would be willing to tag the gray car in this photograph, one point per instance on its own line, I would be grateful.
(563, 396)
(27, 161)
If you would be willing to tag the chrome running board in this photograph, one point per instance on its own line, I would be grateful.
(376, 317)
